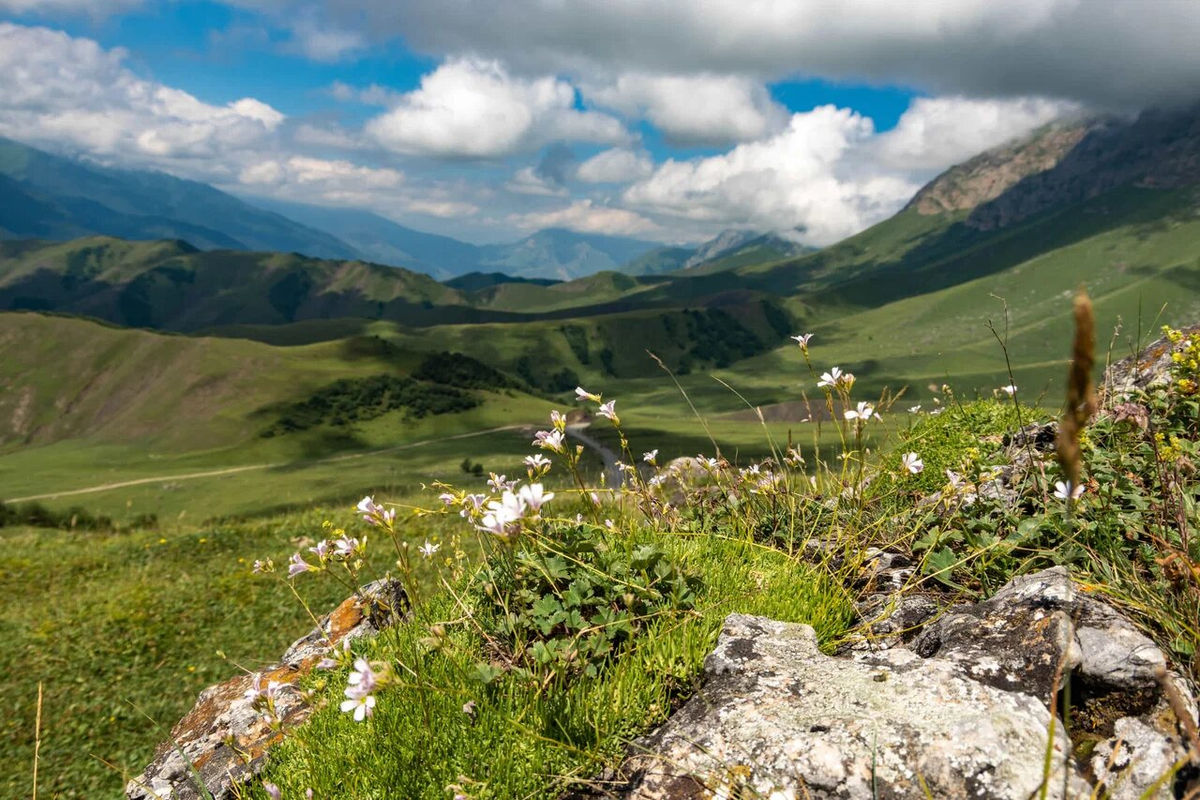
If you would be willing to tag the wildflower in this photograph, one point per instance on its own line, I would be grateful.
(864, 411)
(446, 498)
(272, 790)
(830, 378)
(327, 663)
(261, 567)
(363, 705)
(533, 497)
(550, 440)
(608, 410)
(836, 379)
(498, 482)
(608, 523)
(595, 498)
(802, 340)
(345, 546)
(915, 409)
(584, 394)
(471, 505)
(1009, 390)
(321, 551)
(255, 691)
(558, 420)
(912, 462)
(428, 549)
(650, 457)
(537, 462)
(956, 481)
(469, 708)
(503, 514)
(1064, 490)
(298, 565)
(363, 678)
(369, 508)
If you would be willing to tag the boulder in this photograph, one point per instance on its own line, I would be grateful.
(930, 701)
(1150, 367)
(777, 718)
(223, 741)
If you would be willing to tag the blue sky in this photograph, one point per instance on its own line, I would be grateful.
(487, 119)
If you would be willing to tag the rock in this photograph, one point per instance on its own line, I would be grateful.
(223, 741)
(1038, 626)
(1151, 367)
(779, 718)
(1134, 760)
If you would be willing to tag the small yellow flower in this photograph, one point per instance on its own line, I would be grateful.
(162, 541)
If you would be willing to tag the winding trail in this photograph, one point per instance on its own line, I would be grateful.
(271, 465)
(614, 478)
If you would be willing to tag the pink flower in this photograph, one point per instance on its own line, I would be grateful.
(298, 565)
(550, 440)
(802, 340)
(583, 394)
(912, 462)
(272, 790)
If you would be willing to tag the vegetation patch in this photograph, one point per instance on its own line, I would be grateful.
(358, 399)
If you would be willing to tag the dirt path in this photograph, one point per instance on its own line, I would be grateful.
(614, 476)
(250, 467)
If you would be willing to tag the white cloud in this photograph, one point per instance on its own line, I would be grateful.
(936, 132)
(321, 42)
(1103, 52)
(70, 92)
(585, 216)
(528, 181)
(788, 181)
(616, 165)
(696, 109)
(304, 170)
(447, 209)
(93, 8)
(468, 108)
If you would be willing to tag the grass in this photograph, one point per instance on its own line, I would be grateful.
(525, 742)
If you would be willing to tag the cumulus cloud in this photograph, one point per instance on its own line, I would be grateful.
(469, 108)
(93, 8)
(696, 109)
(1103, 52)
(70, 92)
(788, 181)
(936, 132)
(586, 216)
(616, 165)
(527, 180)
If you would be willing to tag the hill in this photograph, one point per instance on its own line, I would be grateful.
(50, 197)
(382, 241)
(562, 254)
(171, 285)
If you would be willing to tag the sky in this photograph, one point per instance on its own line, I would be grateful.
(665, 120)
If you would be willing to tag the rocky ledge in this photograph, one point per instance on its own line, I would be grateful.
(223, 741)
(961, 708)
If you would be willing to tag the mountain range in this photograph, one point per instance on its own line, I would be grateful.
(52, 197)
(1111, 203)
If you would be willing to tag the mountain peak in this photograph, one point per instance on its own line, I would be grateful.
(988, 175)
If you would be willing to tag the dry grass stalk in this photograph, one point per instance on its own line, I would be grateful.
(1081, 399)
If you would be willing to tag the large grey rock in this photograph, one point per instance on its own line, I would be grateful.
(779, 718)
(1038, 629)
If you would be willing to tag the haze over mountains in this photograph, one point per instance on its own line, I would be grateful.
(47, 196)
(1110, 202)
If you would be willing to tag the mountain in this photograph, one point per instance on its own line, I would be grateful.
(474, 281)
(51, 197)
(382, 241)
(659, 261)
(733, 249)
(171, 285)
(562, 254)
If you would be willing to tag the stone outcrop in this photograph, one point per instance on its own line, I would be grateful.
(960, 708)
(223, 741)
(1150, 367)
